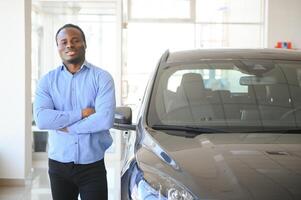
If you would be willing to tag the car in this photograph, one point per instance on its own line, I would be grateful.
(216, 124)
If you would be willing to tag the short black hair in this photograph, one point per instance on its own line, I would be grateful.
(70, 26)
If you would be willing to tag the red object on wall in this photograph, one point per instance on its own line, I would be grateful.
(279, 45)
(284, 45)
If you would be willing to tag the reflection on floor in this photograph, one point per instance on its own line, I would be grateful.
(38, 188)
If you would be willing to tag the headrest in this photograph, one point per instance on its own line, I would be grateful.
(193, 79)
(192, 85)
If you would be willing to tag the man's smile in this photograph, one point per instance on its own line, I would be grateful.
(70, 53)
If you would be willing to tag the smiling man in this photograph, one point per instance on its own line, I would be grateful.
(76, 103)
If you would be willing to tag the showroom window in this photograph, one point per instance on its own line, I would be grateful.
(160, 9)
(230, 23)
(229, 11)
(153, 26)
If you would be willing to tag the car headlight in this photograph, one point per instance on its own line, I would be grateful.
(154, 186)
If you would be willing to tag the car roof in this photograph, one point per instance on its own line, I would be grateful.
(231, 54)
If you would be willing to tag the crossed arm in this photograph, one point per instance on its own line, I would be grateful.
(85, 113)
(81, 121)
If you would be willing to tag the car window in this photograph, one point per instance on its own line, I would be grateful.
(214, 79)
(240, 95)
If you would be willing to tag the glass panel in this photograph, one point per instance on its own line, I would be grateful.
(146, 43)
(229, 11)
(229, 35)
(217, 80)
(160, 9)
(245, 98)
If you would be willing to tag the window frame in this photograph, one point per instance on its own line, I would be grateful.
(190, 19)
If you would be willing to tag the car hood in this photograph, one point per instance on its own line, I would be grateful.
(228, 166)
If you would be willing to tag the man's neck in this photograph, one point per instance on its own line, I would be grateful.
(73, 68)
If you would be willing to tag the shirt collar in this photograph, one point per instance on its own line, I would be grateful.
(84, 65)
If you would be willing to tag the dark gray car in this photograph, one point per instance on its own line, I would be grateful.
(216, 124)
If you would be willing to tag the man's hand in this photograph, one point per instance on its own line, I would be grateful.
(64, 130)
(87, 112)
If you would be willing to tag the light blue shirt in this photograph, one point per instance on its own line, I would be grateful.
(59, 99)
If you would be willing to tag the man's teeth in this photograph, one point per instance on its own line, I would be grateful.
(71, 53)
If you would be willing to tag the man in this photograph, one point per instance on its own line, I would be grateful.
(76, 103)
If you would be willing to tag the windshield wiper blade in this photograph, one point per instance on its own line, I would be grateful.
(293, 131)
(193, 129)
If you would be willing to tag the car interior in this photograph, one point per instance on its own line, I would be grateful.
(267, 102)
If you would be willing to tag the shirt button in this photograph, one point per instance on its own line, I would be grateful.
(75, 142)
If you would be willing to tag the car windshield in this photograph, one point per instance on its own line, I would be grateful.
(228, 95)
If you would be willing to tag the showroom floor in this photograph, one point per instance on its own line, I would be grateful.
(38, 188)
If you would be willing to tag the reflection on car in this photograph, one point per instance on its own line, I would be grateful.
(216, 124)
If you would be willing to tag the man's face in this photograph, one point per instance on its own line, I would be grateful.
(71, 46)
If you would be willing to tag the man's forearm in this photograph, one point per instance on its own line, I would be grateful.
(84, 113)
(95, 123)
(54, 120)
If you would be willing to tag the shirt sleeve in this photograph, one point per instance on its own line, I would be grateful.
(45, 115)
(103, 118)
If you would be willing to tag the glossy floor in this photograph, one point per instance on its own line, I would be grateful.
(37, 188)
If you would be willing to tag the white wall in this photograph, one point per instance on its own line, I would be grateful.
(284, 22)
(15, 78)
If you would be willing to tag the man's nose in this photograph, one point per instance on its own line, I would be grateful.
(69, 44)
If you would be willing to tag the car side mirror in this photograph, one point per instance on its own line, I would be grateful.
(123, 119)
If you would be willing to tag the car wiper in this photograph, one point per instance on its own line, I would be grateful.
(192, 129)
(293, 131)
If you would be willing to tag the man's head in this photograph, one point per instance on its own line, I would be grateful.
(71, 44)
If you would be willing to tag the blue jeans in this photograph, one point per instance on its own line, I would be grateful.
(68, 180)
